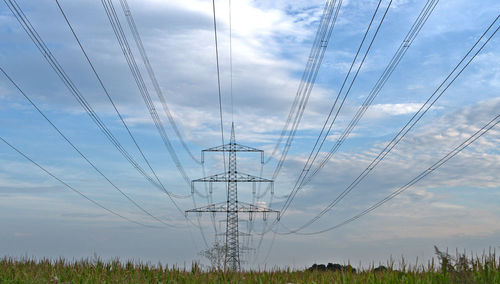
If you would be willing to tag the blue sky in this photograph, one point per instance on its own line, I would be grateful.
(454, 207)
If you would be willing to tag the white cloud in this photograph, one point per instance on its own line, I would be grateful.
(394, 109)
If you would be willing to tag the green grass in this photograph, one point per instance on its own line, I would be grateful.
(484, 269)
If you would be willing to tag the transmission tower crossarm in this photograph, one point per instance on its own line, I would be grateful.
(233, 146)
(243, 207)
(237, 148)
(236, 177)
(240, 177)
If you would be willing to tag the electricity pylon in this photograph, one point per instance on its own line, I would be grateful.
(233, 207)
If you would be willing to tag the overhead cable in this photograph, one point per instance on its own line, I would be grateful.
(83, 155)
(452, 76)
(310, 162)
(42, 47)
(134, 69)
(72, 188)
(401, 51)
(406, 43)
(320, 43)
(419, 177)
(54, 64)
(162, 187)
(231, 60)
(218, 83)
(129, 56)
(152, 76)
(306, 83)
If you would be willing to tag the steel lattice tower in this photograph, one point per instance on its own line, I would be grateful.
(233, 207)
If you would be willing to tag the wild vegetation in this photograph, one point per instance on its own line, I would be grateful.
(447, 269)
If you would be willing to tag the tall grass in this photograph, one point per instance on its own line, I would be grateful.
(447, 269)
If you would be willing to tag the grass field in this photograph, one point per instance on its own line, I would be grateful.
(447, 269)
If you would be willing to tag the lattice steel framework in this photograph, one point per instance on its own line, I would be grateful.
(232, 207)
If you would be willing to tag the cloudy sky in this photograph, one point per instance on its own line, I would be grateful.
(454, 207)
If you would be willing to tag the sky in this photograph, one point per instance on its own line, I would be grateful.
(455, 207)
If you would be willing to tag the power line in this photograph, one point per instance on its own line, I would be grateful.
(401, 51)
(231, 60)
(219, 93)
(325, 30)
(72, 188)
(218, 82)
(220, 102)
(162, 187)
(40, 44)
(318, 48)
(127, 52)
(454, 74)
(405, 44)
(137, 38)
(83, 155)
(311, 79)
(419, 177)
(310, 162)
(320, 43)
(152, 76)
(54, 64)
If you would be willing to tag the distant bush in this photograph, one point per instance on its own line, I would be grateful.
(381, 268)
(332, 267)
